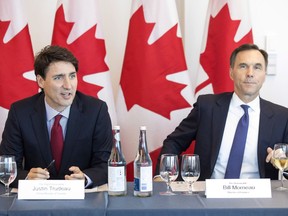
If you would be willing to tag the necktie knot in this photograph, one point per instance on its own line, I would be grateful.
(57, 119)
(245, 108)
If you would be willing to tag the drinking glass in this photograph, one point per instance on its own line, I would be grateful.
(280, 160)
(8, 172)
(169, 170)
(190, 170)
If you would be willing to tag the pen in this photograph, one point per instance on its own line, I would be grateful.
(50, 165)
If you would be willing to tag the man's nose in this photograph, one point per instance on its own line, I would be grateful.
(67, 83)
(250, 71)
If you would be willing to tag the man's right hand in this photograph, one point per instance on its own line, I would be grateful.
(38, 174)
(269, 157)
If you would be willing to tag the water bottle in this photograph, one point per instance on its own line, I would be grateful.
(117, 182)
(143, 180)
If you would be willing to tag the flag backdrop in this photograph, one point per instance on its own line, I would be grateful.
(77, 27)
(227, 27)
(16, 57)
(155, 86)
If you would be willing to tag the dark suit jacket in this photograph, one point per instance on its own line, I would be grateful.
(205, 124)
(88, 139)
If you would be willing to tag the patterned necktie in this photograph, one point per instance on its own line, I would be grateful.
(237, 150)
(57, 141)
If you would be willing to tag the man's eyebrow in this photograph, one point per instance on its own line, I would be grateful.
(58, 75)
(242, 63)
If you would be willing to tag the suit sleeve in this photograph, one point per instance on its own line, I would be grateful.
(102, 145)
(181, 138)
(11, 143)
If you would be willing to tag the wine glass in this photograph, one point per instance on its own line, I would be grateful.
(169, 170)
(280, 160)
(190, 170)
(8, 172)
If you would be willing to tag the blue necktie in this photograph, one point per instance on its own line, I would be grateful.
(237, 150)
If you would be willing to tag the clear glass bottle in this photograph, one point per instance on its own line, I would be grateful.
(143, 179)
(117, 182)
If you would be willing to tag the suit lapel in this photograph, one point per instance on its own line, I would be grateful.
(264, 134)
(40, 127)
(219, 115)
(75, 118)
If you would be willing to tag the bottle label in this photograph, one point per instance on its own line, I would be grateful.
(144, 182)
(117, 137)
(116, 178)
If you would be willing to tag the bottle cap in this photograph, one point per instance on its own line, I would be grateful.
(116, 127)
(142, 127)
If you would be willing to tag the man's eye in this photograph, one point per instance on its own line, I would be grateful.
(57, 78)
(258, 67)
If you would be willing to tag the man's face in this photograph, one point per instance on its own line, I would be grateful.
(248, 74)
(60, 85)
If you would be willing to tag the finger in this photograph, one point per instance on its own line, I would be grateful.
(269, 150)
(39, 170)
(75, 170)
(269, 156)
(67, 177)
(38, 173)
(79, 176)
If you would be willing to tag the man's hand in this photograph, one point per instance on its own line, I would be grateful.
(76, 175)
(269, 156)
(38, 174)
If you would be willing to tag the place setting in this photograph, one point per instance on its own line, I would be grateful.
(189, 171)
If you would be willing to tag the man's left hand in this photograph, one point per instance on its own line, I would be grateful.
(76, 175)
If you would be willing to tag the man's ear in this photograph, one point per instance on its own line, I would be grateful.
(231, 73)
(40, 81)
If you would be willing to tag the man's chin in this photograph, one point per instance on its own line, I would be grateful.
(65, 103)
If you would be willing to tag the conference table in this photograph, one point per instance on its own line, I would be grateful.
(100, 203)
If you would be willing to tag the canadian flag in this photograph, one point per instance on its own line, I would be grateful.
(155, 88)
(227, 27)
(16, 57)
(77, 27)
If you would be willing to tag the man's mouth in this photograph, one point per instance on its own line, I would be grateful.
(66, 94)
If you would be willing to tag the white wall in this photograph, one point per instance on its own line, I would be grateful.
(269, 18)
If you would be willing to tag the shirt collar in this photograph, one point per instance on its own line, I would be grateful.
(51, 113)
(254, 105)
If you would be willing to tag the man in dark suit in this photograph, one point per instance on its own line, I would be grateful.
(213, 120)
(86, 125)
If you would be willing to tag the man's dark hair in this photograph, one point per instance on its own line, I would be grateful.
(245, 47)
(50, 54)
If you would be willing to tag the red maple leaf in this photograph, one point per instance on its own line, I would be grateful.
(145, 67)
(220, 44)
(16, 58)
(89, 51)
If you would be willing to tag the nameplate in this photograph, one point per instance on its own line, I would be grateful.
(238, 188)
(51, 189)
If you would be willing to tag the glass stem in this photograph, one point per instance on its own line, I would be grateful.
(168, 185)
(7, 189)
(190, 187)
(281, 173)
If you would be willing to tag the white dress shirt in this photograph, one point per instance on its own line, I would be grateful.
(250, 159)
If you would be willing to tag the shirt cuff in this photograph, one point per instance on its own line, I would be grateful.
(88, 181)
